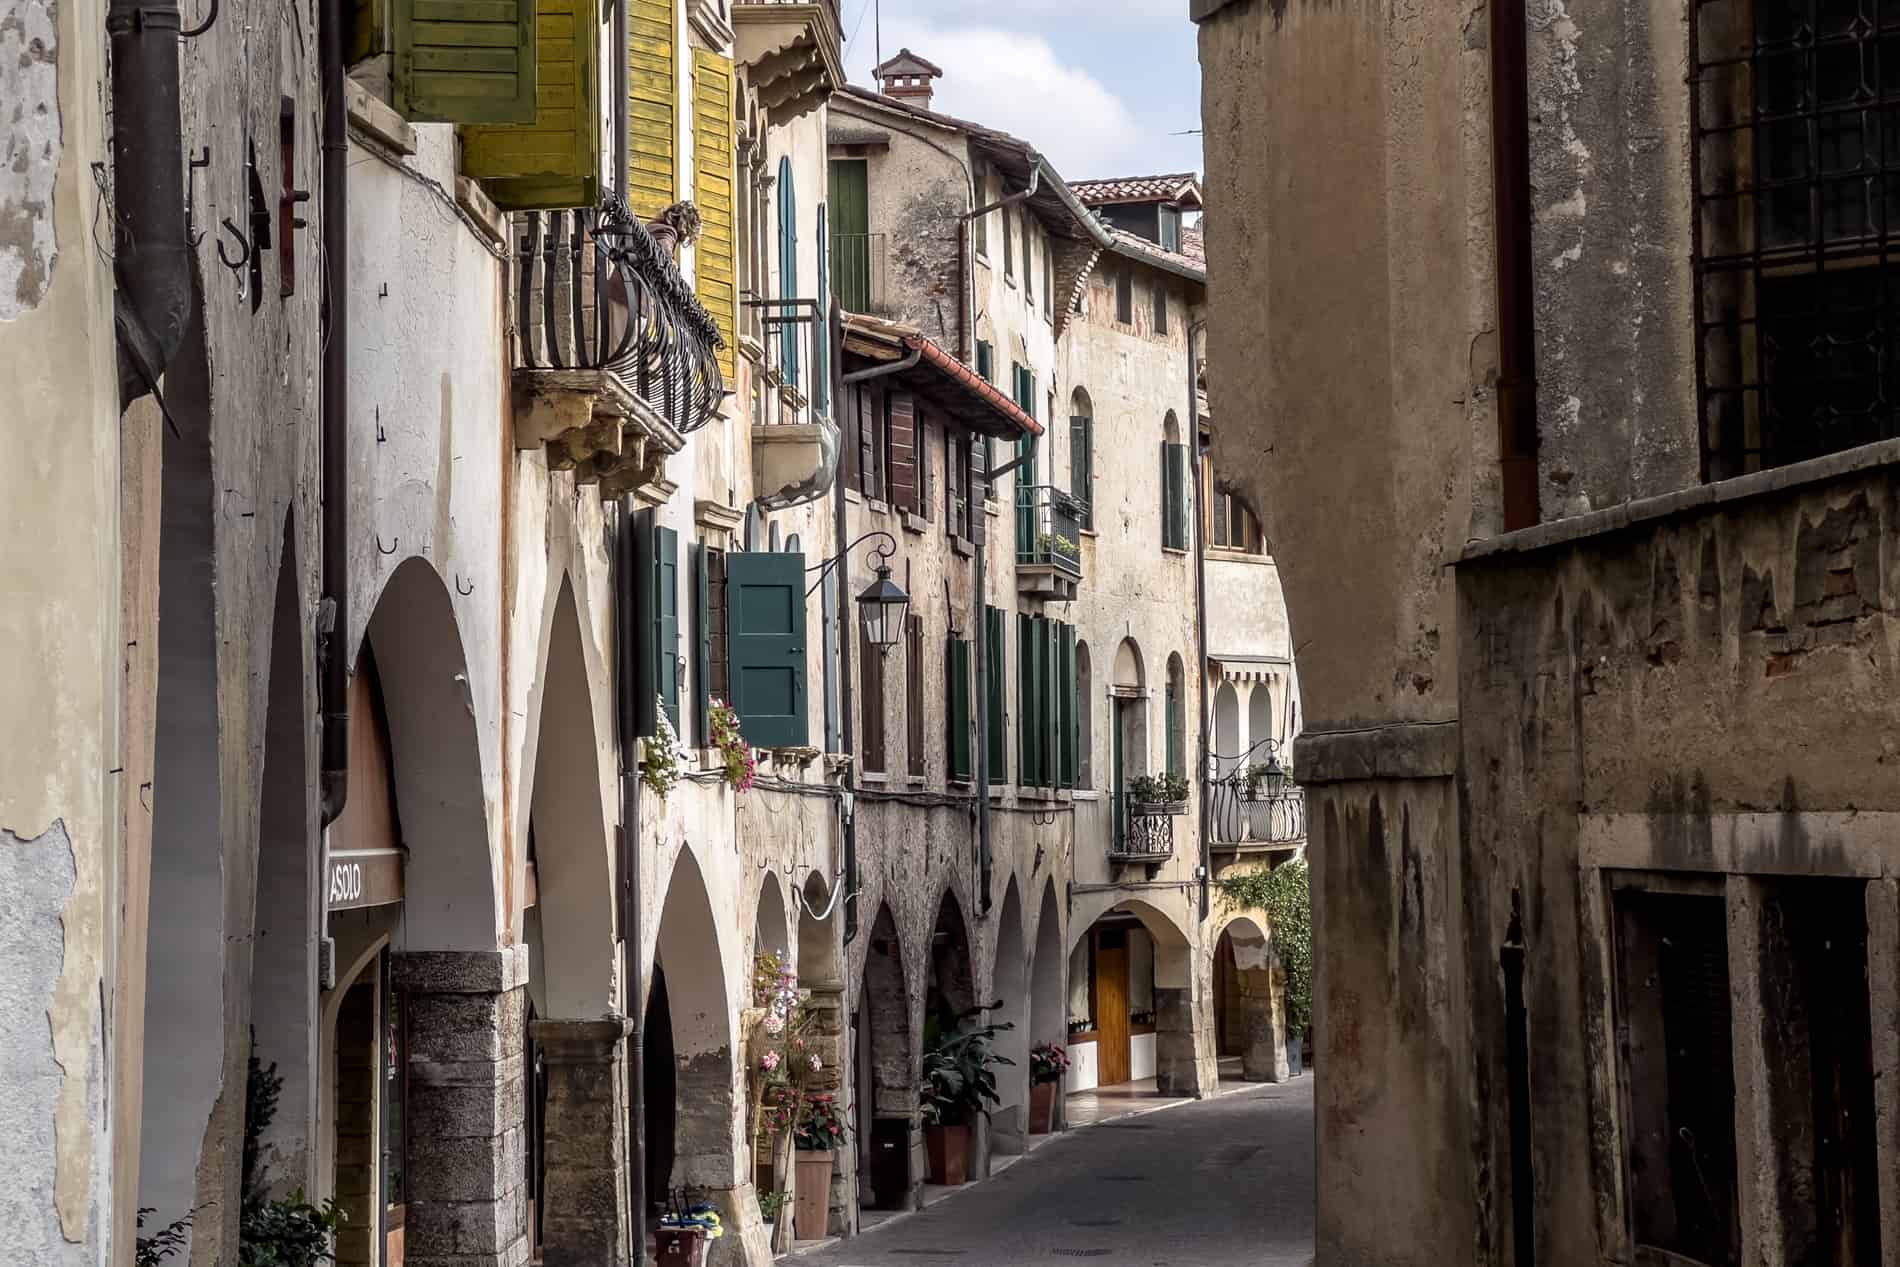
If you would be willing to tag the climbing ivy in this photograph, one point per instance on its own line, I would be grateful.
(1284, 895)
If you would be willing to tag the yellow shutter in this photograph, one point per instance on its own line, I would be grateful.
(714, 156)
(652, 123)
(553, 161)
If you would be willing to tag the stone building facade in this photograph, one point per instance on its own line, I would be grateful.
(1596, 753)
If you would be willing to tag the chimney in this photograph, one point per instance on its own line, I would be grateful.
(906, 78)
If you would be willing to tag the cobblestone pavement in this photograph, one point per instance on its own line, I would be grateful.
(1216, 1184)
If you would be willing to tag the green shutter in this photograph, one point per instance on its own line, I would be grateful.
(765, 617)
(554, 159)
(985, 362)
(958, 678)
(1174, 496)
(1171, 718)
(1068, 714)
(465, 61)
(702, 643)
(1081, 468)
(850, 233)
(666, 621)
(997, 696)
(1026, 754)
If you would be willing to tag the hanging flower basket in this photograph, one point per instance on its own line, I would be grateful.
(740, 765)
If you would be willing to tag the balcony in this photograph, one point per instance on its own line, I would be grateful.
(1048, 543)
(795, 445)
(794, 51)
(860, 272)
(615, 361)
(1252, 806)
(1144, 831)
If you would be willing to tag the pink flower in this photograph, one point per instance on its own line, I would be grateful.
(774, 1023)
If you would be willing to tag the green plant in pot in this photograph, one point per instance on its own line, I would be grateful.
(959, 1085)
(819, 1135)
(1159, 789)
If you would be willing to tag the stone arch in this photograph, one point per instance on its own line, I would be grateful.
(949, 970)
(1185, 1063)
(886, 1063)
(694, 1128)
(1228, 749)
(1009, 989)
(1048, 1005)
(1248, 1001)
(1130, 673)
(571, 957)
(1260, 714)
(283, 986)
(818, 918)
(1085, 718)
(770, 927)
(449, 873)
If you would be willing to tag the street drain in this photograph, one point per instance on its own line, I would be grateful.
(1083, 1253)
(1128, 1126)
(1124, 1178)
(1095, 1222)
(933, 1253)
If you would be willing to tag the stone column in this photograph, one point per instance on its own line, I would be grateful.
(1185, 1063)
(467, 1177)
(357, 1136)
(583, 1186)
(1263, 1025)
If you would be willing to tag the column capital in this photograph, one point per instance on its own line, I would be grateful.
(461, 971)
(595, 1041)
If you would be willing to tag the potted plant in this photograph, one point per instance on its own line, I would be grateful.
(660, 756)
(740, 765)
(1159, 794)
(958, 1087)
(770, 1203)
(1048, 1062)
(818, 1137)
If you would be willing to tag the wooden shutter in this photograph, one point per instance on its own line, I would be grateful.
(993, 668)
(902, 411)
(554, 160)
(870, 429)
(465, 61)
(985, 358)
(962, 766)
(652, 124)
(716, 253)
(871, 704)
(1171, 719)
(850, 233)
(927, 433)
(1068, 706)
(765, 614)
(1174, 496)
(696, 555)
(657, 628)
(1026, 730)
(821, 325)
(853, 438)
(914, 694)
(1081, 466)
(789, 332)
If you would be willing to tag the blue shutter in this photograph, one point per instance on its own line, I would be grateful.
(765, 631)
(821, 327)
(788, 270)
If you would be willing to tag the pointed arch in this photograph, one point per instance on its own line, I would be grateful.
(1009, 989)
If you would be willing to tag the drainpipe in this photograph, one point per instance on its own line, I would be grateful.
(984, 857)
(846, 698)
(335, 682)
(1200, 595)
(627, 851)
(151, 251)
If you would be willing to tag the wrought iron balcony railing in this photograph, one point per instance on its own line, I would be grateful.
(1251, 800)
(1144, 831)
(860, 272)
(593, 292)
(1049, 528)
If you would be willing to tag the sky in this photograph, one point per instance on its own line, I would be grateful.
(1100, 88)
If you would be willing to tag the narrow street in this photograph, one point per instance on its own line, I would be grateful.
(1220, 1183)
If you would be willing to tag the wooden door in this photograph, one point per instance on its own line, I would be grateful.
(1111, 1006)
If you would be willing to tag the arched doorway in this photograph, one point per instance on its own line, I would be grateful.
(1048, 1009)
(1132, 982)
(1009, 990)
(1128, 730)
(769, 929)
(886, 1096)
(1260, 714)
(1249, 1009)
(1228, 753)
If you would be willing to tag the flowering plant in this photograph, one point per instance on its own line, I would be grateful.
(1048, 1062)
(660, 760)
(741, 766)
(823, 1125)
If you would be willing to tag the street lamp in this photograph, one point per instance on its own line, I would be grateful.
(882, 606)
(1274, 776)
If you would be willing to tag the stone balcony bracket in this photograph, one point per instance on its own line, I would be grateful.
(592, 423)
(794, 51)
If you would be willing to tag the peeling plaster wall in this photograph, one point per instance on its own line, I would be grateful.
(1610, 180)
(1709, 689)
(30, 158)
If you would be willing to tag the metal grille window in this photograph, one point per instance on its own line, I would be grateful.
(1797, 185)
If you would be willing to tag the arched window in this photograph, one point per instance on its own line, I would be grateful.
(1174, 475)
(1084, 718)
(1081, 454)
(1176, 715)
(1260, 714)
(787, 270)
(821, 323)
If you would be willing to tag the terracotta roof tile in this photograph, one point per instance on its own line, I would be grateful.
(1174, 187)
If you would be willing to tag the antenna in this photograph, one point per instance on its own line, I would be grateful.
(877, 29)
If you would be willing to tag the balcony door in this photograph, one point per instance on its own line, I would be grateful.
(850, 212)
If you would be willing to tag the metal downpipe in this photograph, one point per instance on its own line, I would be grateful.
(334, 630)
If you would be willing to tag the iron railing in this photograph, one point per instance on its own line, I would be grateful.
(1246, 806)
(1049, 528)
(593, 292)
(1143, 832)
(859, 271)
(797, 334)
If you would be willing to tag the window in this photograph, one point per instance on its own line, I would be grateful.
(1673, 1023)
(1124, 297)
(1161, 306)
(1798, 202)
(985, 361)
(1230, 525)
(957, 507)
(1009, 244)
(1081, 454)
(787, 271)
(870, 450)
(712, 673)
(1175, 715)
(1046, 702)
(1048, 283)
(766, 658)
(656, 567)
(983, 221)
(870, 704)
(1174, 496)
(901, 449)
(1084, 719)
(1029, 262)
(914, 695)
(957, 680)
(1171, 229)
(994, 669)
(850, 203)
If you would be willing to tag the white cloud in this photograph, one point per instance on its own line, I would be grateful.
(1013, 80)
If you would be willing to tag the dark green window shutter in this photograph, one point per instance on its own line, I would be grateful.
(961, 763)
(1081, 466)
(465, 61)
(1174, 496)
(702, 644)
(1068, 713)
(765, 615)
(998, 697)
(1025, 700)
(664, 610)
(1171, 719)
(984, 361)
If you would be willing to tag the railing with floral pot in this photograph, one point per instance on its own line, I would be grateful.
(1145, 832)
(1252, 800)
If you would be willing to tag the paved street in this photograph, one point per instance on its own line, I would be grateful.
(1217, 1184)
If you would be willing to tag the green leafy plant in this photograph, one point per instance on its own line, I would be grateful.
(287, 1231)
(1159, 789)
(823, 1125)
(741, 765)
(770, 1204)
(1048, 1062)
(166, 1242)
(1284, 894)
(1055, 543)
(660, 756)
(958, 1082)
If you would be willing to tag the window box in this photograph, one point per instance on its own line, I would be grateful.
(1155, 809)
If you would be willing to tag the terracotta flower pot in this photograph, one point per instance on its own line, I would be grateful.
(811, 1210)
(681, 1246)
(1042, 1108)
(948, 1150)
